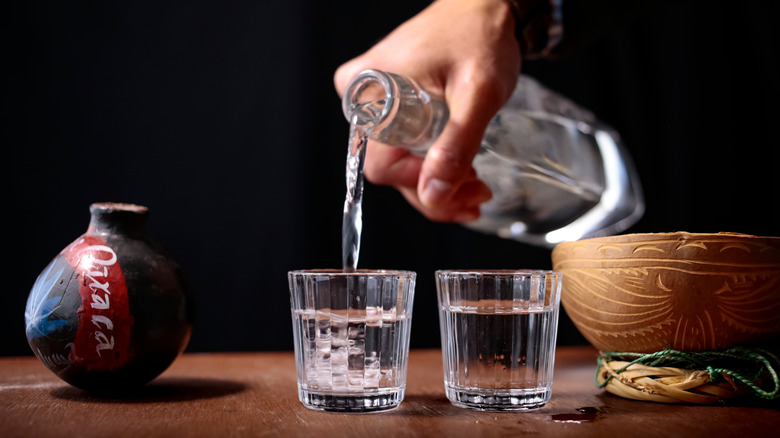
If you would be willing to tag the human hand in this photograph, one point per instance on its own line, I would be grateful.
(465, 52)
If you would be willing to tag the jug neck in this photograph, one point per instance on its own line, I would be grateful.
(117, 218)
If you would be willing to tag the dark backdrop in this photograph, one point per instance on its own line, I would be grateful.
(221, 118)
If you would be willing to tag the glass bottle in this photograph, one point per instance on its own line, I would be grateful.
(557, 174)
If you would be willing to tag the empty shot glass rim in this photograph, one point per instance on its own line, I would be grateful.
(513, 273)
(452, 286)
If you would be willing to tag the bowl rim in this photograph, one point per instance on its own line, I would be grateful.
(642, 237)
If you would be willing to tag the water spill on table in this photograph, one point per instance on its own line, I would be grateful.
(586, 415)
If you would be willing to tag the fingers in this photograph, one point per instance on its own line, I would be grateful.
(447, 165)
(391, 166)
(473, 99)
(463, 51)
(464, 206)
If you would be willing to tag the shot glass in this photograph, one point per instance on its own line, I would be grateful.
(351, 333)
(498, 332)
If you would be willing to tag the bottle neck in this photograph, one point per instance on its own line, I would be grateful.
(371, 99)
(116, 218)
(394, 110)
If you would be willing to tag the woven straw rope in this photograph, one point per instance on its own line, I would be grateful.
(664, 384)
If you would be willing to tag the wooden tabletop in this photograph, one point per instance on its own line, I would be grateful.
(254, 394)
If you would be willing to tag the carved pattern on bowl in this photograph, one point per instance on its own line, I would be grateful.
(684, 291)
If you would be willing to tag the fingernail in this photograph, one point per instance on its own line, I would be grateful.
(436, 192)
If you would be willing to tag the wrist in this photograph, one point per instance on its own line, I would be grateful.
(538, 25)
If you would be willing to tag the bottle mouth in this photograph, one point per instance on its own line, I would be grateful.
(369, 98)
(118, 206)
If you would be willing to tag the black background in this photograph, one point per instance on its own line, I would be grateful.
(221, 117)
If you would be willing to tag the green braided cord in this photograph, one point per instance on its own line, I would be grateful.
(743, 358)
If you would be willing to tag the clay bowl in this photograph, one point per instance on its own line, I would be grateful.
(690, 292)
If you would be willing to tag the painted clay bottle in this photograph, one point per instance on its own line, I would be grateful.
(111, 311)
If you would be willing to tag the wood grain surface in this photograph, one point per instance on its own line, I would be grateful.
(254, 394)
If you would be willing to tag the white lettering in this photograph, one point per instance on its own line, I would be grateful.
(54, 360)
(98, 267)
(97, 261)
(104, 342)
(103, 273)
(97, 285)
(100, 319)
(99, 302)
